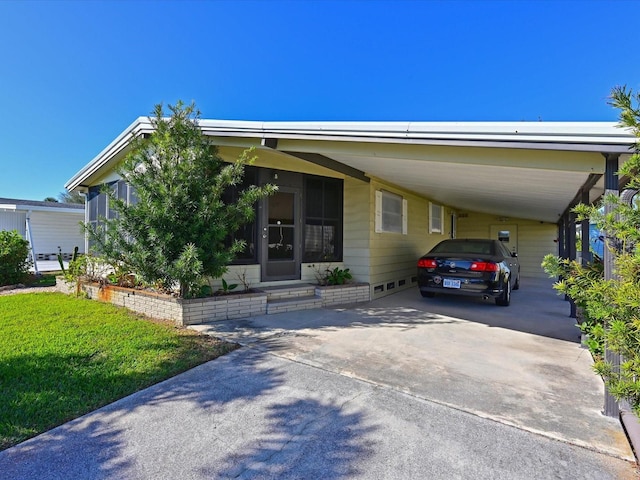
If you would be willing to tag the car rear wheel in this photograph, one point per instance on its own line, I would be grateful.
(505, 299)
(427, 294)
(516, 286)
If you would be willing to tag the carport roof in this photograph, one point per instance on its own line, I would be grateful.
(18, 205)
(516, 169)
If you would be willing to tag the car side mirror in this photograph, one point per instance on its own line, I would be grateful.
(514, 254)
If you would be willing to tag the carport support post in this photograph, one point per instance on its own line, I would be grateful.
(585, 233)
(561, 240)
(611, 187)
(571, 251)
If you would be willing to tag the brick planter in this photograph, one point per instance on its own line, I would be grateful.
(343, 294)
(181, 311)
(194, 311)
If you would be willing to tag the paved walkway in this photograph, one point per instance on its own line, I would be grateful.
(403, 387)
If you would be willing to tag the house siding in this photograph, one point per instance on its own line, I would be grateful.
(535, 239)
(393, 256)
(267, 158)
(356, 229)
(13, 221)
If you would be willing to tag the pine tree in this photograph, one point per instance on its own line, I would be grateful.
(175, 233)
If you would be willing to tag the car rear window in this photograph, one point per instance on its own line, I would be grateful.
(480, 248)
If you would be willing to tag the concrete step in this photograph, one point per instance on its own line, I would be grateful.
(282, 305)
(289, 291)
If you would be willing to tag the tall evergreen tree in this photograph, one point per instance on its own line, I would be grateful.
(175, 233)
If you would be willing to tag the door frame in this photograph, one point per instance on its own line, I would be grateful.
(263, 234)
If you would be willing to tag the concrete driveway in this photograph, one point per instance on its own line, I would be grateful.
(521, 365)
(402, 387)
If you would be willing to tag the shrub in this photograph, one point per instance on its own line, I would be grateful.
(14, 264)
(176, 233)
(612, 305)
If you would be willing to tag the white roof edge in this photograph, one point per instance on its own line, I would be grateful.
(139, 125)
(39, 208)
(504, 134)
(544, 131)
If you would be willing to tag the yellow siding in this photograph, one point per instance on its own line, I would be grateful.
(357, 219)
(393, 256)
(535, 239)
(268, 158)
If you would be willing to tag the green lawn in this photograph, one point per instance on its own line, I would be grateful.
(61, 357)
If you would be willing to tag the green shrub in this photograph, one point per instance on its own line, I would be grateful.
(14, 250)
(612, 305)
(338, 276)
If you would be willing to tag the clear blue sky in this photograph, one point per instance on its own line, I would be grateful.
(73, 75)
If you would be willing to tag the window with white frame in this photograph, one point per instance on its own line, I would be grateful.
(391, 213)
(436, 218)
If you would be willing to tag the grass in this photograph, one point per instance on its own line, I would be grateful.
(62, 357)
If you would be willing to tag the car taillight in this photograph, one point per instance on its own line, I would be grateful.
(484, 267)
(427, 263)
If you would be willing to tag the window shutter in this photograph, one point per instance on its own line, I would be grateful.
(378, 210)
(404, 216)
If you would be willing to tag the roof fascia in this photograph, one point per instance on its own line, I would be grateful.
(39, 208)
(603, 137)
(139, 127)
(574, 146)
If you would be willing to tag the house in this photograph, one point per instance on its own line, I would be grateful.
(374, 196)
(50, 228)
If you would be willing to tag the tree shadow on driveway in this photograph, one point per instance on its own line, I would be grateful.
(306, 438)
(198, 421)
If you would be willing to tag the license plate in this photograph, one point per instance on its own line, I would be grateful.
(449, 283)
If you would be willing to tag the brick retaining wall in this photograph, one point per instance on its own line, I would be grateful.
(182, 311)
(344, 294)
(201, 310)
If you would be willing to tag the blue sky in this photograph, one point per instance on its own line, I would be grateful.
(73, 75)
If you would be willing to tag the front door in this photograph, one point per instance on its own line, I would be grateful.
(281, 235)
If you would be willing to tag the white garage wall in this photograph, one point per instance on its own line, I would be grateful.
(53, 229)
(13, 221)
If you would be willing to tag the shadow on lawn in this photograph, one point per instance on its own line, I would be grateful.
(199, 421)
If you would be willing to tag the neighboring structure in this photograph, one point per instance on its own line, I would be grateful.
(49, 227)
(373, 197)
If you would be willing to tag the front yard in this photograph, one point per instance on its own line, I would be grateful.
(61, 357)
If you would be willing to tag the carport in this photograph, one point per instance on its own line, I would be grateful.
(528, 170)
(534, 171)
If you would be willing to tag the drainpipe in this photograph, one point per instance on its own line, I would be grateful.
(31, 247)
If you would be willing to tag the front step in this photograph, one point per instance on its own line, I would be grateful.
(289, 291)
(292, 304)
(289, 298)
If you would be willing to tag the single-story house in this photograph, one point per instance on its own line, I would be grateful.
(50, 227)
(374, 196)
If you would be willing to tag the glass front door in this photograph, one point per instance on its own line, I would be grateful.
(280, 236)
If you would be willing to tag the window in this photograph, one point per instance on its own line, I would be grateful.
(98, 202)
(323, 219)
(248, 231)
(436, 217)
(391, 213)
